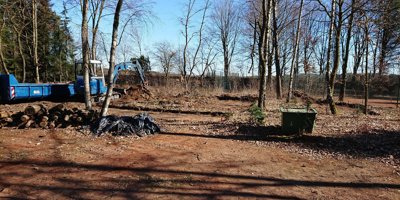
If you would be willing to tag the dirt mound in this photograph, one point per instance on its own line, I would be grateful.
(237, 98)
(137, 92)
(306, 97)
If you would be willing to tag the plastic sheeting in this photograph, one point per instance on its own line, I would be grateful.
(141, 124)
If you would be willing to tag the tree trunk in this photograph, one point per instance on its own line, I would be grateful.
(366, 71)
(276, 47)
(337, 46)
(95, 27)
(331, 102)
(85, 52)
(2, 59)
(60, 65)
(35, 40)
(22, 58)
(342, 93)
(384, 48)
(261, 57)
(3, 63)
(289, 96)
(110, 85)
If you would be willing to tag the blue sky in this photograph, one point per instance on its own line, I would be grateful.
(166, 27)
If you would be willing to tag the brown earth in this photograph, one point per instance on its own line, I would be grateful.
(199, 156)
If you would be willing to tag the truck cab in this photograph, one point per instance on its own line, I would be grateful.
(96, 76)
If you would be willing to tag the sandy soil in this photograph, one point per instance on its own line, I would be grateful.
(206, 156)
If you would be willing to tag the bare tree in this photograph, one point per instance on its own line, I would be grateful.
(226, 18)
(85, 54)
(3, 24)
(263, 37)
(97, 7)
(35, 40)
(347, 51)
(277, 51)
(208, 55)
(18, 25)
(165, 54)
(110, 84)
(187, 23)
(331, 14)
(289, 96)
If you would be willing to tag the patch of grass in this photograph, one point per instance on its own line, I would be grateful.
(228, 115)
(15, 156)
(254, 103)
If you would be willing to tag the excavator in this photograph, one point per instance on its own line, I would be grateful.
(98, 86)
(11, 90)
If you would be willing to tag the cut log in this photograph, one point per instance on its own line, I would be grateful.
(33, 109)
(29, 123)
(66, 118)
(25, 118)
(43, 124)
(79, 119)
(3, 114)
(21, 124)
(45, 118)
(55, 117)
(52, 125)
(8, 119)
(56, 108)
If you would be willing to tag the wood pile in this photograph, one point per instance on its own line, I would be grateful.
(37, 116)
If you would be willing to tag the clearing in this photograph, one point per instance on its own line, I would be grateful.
(207, 150)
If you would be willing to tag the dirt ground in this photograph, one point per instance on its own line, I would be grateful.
(206, 150)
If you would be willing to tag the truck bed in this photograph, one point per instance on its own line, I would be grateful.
(11, 90)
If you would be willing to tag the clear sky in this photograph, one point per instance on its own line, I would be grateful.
(166, 27)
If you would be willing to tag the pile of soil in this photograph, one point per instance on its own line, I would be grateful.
(306, 97)
(137, 92)
(249, 98)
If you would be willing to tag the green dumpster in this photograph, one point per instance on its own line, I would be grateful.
(298, 120)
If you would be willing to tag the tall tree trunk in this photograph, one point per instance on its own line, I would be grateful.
(269, 54)
(296, 46)
(35, 40)
(276, 47)
(22, 57)
(2, 59)
(384, 48)
(86, 52)
(226, 68)
(261, 57)
(329, 97)
(342, 93)
(359, 50)
(60, 65)
(366, 70)
(376, 53)
(337, 46)
(110, 85)
(3, 63)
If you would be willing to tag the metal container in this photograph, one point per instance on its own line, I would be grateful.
(298, 120)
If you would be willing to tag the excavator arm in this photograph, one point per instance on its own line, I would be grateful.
(130, 66)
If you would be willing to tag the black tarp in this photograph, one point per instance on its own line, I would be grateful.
(141, 124)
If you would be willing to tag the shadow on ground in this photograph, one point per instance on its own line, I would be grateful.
(375, 143)
(147, 181)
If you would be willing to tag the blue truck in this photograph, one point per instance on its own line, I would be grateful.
(11, 90)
